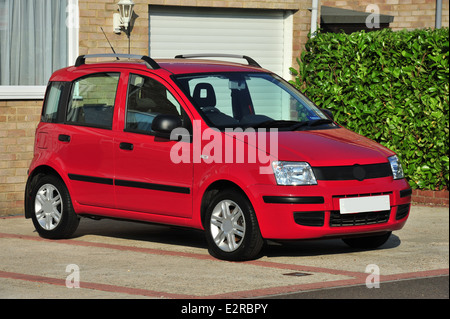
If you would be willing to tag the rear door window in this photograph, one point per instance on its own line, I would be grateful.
(92, 100)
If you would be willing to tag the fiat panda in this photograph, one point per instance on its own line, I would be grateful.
(228, 148)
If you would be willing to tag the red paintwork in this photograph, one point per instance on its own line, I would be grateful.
(96, 152)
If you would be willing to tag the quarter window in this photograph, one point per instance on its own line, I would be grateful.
(52, 99)
(92, 100)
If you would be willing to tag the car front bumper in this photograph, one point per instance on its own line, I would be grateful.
(305, 212)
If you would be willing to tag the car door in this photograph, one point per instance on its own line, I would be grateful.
(146, 178)
(84, 143)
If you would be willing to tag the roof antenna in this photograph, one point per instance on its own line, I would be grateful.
(109, 43)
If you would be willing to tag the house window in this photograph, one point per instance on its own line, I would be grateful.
(37, 37)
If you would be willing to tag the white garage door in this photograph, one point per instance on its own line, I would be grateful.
(264, 35)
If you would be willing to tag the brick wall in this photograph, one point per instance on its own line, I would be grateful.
(438, 198)
(18, 119)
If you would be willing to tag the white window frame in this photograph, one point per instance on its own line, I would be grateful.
(37, 92)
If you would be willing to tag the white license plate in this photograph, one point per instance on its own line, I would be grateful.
(364, 204)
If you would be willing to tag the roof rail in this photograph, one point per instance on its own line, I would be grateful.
(250, 61)
(151, 64)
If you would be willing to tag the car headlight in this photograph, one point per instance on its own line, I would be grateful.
(293, 173)
(396, 166)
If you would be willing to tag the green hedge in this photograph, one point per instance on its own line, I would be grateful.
(392, 87)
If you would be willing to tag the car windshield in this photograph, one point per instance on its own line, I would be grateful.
(258, 100)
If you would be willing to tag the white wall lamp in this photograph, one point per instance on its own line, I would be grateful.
(123, 18)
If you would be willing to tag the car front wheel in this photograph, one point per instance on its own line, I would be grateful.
(232, 230)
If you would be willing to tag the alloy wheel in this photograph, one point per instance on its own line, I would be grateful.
(48, 207)
(227, 225)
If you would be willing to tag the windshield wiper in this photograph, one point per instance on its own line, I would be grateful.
(310, 124)
(298, 125)
(274, 124)
(320, 122)
(291, 125)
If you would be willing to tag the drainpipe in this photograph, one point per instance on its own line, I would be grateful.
(314, 10)
(438, 14)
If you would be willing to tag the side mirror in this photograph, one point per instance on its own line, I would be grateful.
(163, 125)
(328, 113)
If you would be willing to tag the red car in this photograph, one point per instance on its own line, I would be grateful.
(229, 148)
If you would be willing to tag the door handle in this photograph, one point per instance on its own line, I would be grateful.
(64, 138)
(126, 146)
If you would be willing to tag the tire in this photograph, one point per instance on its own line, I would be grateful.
(368, 242)
(51, 208)
(231, 227)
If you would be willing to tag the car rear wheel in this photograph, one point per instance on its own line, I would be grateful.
(232, 230)
(367, 242)
(52, 212)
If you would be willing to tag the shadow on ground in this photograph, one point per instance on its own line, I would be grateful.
(177, 236)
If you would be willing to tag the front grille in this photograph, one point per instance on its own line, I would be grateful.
(354, 172)
(339, 220)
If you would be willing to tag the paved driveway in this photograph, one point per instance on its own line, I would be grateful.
(112, 259)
